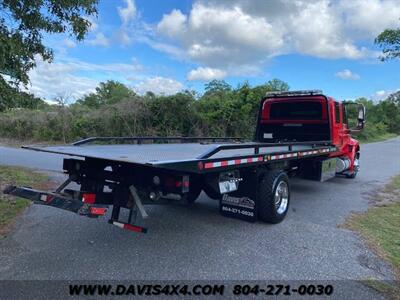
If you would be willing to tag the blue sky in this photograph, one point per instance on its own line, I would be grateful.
(167, 46)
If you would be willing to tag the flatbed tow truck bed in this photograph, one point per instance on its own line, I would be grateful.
(107, 173)
(159, 154)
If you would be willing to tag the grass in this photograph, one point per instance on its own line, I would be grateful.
(380, 227)
(10, 207)
(390, 290)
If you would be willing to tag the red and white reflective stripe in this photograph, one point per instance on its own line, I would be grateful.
(129, 227)
(120, 225)
(324, 150)
(225, 163)
(297, 154)
(308, 153)
(282, 156)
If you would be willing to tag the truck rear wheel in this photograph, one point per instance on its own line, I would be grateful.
(273, 196)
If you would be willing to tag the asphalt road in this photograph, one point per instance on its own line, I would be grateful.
(197, 243)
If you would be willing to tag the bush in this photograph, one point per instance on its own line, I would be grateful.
(221, 111)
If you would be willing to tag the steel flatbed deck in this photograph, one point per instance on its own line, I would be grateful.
(188, 155)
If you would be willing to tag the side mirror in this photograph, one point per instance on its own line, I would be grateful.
(360, 116)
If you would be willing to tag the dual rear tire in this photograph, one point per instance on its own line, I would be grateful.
(273, 196)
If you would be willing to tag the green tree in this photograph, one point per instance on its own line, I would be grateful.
(218, 87)
(382, 117)
(173, 115)
(23, 22)
(11, 97)
(228, 112)
(22, 26)
(251, 96)
(389, 41)
(391, 111)
(108, 92)
(395, 98)
(276, 85)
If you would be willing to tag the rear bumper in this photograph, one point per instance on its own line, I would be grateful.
(57, 200)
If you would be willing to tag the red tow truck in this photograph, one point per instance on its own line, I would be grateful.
(298, 133)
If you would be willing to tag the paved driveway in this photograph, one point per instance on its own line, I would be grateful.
(196, 242)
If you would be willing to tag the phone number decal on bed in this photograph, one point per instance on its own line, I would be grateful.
(237, 211)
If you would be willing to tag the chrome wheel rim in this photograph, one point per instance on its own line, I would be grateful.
(281, 197)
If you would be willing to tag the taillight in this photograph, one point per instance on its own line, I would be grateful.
(178, 183)
(98, 211)
(185, 184)
(89, 198)
(181, 183)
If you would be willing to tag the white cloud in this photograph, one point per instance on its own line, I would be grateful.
(172, 24)
(122, 68)
(172, 50)
(316, 30)
(93, 23)
(127, 13)
(69, 43)
(383, 94)
(205, 74)
(99, 40)
(158, 85)
(346, 74)
(133, 28)
(64, 78)
(369, 17)
(57, 79)
(228, 35)
(219, 36)
(123, 37)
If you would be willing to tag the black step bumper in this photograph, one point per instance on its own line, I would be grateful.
(57, 200)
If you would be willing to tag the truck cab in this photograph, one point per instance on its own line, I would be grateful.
(311, 116)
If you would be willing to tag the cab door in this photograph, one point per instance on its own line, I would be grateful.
(341, 123)
(338, 130)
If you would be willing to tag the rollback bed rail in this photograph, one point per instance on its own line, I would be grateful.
(257, 147)
(154, 139)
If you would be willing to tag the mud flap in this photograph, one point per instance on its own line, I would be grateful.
(242, 204)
